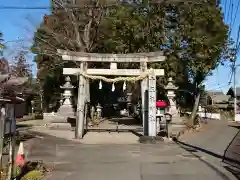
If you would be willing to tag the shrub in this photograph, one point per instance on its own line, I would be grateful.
(33, 175)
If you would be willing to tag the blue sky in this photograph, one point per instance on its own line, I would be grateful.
(221, 76)
(21, 24)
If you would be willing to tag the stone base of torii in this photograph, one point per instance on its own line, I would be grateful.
(147, 76)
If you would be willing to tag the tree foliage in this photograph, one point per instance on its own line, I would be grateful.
(64, 29)
(193, 34)
(20, 67)
(2, 46)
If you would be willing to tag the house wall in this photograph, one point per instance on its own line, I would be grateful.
(10, 119)
(20, 110)
(238, 97)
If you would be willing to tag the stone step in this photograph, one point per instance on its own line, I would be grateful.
(61, 126)
(110, 138)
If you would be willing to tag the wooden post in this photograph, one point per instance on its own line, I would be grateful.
(12, 132)
(79, 131)
(2, 131)
(144, 87)
(146, 122)
(87, 90)
(152, 105)
(87, 97)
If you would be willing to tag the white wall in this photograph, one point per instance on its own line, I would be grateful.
(237, 117)
(209, 115)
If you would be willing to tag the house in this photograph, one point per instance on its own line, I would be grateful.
(231, 93)
(217, 98)
(12, 86)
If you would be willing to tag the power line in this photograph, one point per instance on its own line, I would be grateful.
(231, 15)
(217, 87)
(229, 8)
(24, 7)
(84, 6)
(225, 7)
(236, 13)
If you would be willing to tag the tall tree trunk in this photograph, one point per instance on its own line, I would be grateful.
(191, 120)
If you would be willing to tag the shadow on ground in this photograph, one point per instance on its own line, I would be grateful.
(231, 163)
(125, 121)
(23, 126)
(120, 120)
(72, 121)
(19, 137)
(234, 171)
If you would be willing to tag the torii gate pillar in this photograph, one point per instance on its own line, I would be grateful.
(79, 132)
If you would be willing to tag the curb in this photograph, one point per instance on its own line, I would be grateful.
(150, 139)
(183, 131)
(23, 120)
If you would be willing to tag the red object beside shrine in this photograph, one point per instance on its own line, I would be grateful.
(161, 104)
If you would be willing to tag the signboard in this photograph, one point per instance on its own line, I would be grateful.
(152, 105)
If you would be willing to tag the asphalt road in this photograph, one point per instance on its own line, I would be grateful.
(165, 161)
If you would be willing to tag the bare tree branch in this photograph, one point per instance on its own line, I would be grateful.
(74, 23)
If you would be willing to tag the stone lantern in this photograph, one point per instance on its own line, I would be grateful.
(66, 109)
(65, 113)
(99, 111)
(171, 94)
(129, 102)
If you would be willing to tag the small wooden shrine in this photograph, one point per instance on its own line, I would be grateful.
(10, 95)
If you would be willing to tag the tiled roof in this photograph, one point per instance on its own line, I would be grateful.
(212, 93)
(218, 96)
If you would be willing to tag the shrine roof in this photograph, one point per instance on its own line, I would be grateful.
(8, 81)
(9, 85)
(11, 99)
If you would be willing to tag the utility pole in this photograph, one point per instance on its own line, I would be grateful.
(235, 91)
(236, 118)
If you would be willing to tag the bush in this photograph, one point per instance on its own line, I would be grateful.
(32, 170)
(38, 114)
(33, 175)
(212, 109)
(227, 115)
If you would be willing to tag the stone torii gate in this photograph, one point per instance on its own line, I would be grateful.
(148, 84)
